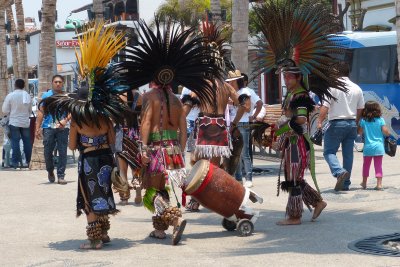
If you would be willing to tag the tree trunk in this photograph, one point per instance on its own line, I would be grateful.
(3, 56)
(398, 32)
(240, 27)
(47, 45)
(14, 48)
(216, 11)
(98, 9)
(22, 56)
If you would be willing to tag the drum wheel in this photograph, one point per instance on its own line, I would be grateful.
(245, 227)
(228, 225)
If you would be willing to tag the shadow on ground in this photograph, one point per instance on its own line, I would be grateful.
(73, 244)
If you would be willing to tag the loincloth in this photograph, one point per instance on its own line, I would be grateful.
(166, 157)
(212, 137)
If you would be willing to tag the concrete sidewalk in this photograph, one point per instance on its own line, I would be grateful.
(38, 226)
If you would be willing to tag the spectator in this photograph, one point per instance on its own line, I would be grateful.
(372, 125)
(191, 116)
(240, 86)
(55, 133)
(343, 115)
(18, 105)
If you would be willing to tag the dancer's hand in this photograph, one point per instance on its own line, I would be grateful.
(145, 158)
(38, 133)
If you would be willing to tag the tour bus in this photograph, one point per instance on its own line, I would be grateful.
(374, 67)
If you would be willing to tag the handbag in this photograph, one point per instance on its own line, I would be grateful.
(390, 146)
(316, 138)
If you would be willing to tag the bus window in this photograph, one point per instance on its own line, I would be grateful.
(371, 65)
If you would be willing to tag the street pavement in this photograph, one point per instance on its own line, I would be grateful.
(38, 226)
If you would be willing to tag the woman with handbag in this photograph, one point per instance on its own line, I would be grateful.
(372, 125)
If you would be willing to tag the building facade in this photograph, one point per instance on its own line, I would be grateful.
(379, 15)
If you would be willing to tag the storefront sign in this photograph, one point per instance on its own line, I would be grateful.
(67, 43)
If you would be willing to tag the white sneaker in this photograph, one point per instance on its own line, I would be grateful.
(248, 184)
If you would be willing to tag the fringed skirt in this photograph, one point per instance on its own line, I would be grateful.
(94, 183)
(212, 137)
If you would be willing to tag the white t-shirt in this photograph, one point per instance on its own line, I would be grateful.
(346, 105)
(18, 105)
(194, 112)
(260, 115)
(254, 98)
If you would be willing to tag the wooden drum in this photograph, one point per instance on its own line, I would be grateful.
(215, 189)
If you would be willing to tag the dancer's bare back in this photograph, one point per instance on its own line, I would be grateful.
(154, 110)
(224, 92)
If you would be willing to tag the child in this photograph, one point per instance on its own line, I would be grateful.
(373, 127)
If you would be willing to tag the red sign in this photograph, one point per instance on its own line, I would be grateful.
(67, 43)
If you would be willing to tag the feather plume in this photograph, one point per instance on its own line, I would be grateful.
(301, 31)
(104, 81)
(171, 55)
(214, 38)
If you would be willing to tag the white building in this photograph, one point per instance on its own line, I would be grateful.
(379, 14)
(64, 54)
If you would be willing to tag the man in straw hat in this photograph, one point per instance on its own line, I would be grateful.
(235, 79)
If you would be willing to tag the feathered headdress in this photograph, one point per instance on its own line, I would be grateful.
(299, 34)
(171, 55)
(217, 43)
(103, 81)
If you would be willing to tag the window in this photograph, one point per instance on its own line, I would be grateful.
(372, 65)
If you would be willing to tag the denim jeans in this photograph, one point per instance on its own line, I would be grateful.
(51, 138)
(18, 133)
(190, 144)
(245, 160)
(340, 132)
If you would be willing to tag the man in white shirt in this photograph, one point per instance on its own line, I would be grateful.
(190, 119)
(18, 106)
(343, 115)
(238, 83)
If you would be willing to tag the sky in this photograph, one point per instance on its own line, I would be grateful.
(31, 7)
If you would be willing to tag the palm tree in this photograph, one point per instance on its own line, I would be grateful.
(240, 27)
(13, 32)
(98, 9)
(47, 44)
(3, 55)
(187, 13)
(22, 56)
(398, 32)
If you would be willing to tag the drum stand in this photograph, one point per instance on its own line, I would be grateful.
(244, 223)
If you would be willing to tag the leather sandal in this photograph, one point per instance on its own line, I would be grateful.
(93, 244)
(178, 231)
(160, 235)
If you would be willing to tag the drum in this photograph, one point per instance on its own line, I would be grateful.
(216, 190)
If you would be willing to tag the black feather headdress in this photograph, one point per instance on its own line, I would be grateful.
(299, 33)
(170, 55)
(103, 81)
